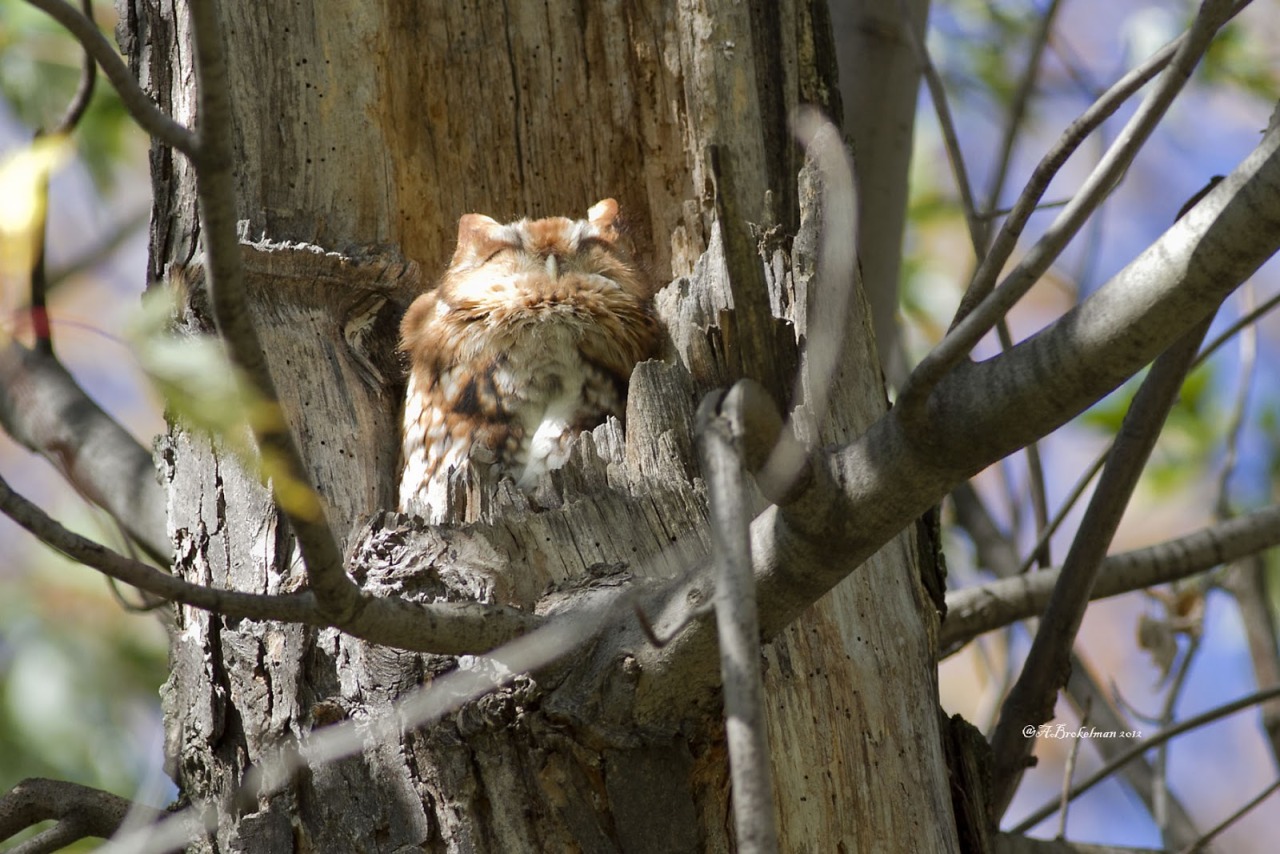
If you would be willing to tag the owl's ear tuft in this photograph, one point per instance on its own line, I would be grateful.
(602, 216)
(479, 236)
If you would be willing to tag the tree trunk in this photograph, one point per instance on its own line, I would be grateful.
(367, 126)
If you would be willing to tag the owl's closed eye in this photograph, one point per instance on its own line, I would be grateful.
(529, 338)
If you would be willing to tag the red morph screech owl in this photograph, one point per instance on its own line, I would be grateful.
(529, 338)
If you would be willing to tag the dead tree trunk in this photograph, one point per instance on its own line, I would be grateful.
(366, 130)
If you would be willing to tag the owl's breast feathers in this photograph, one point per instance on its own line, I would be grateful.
(529, 339)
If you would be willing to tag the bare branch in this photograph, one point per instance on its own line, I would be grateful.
(43, 407)
(1147, 744)
(862, 493)
(1069, 502)
(1045, 670)
(1069, 771)
(140, 106)
(1199, 844)
(1247, 584)
(1162, 795)
(950, 139)
(1083, 689)
(980, 312)
(738, 629)
(39, 278)
(975, 610)
(1234, 329)
(1018, 110)
(79, 810)
(447, 628)
(336, 594)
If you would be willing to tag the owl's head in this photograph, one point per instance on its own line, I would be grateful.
(549, 278)
(550, 258)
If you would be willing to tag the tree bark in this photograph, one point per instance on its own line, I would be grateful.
(367, 129)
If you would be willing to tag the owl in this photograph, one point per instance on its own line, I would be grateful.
(529, 338)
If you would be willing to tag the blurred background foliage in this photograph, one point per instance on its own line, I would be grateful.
(79, 674)
(39, 72)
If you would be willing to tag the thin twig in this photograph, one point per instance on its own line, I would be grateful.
(1247, 581)
(1082, 690)
(1055, 523)
(1041, 554)
(1143, 746)
(1069, 771)
(1234, 329)
(950, 139)
(449, 628)
(1200, 843)
(144, 111)
(738, 630)
(1084, 687)
(84, 89)
(1018, 110)
(997, 213)
(1239, 408)
(1167, 713)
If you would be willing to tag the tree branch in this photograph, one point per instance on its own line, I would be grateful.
(975, 610)
(42, 407)
(446, 628)
(337, 595)
(950, 139)
(79, 810)
(142, 108)
(980, 310)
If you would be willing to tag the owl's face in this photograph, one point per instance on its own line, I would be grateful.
(539, 266)
(505, 278)
(529, 339)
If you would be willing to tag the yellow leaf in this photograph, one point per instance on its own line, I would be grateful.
(23, 177)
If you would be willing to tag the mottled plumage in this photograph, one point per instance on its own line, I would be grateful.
(529, 338)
